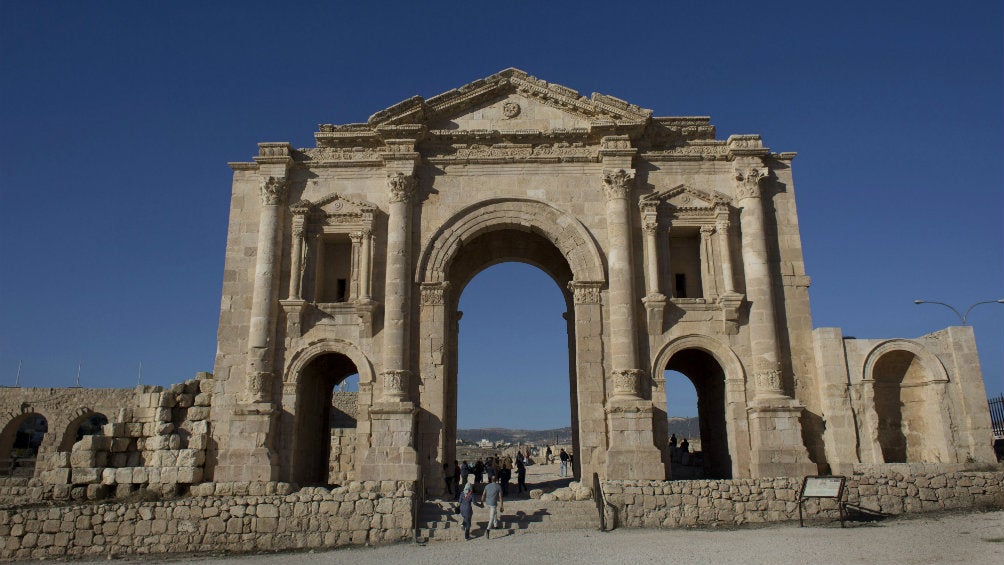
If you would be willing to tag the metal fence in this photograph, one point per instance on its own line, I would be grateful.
(997, 415)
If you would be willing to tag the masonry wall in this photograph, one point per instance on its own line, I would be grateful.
(671, 504)
(217, 517)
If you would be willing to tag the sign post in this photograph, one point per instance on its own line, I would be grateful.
(822, 486)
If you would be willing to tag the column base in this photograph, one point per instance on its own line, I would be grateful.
(632, 454)
(776, 439)
(249, 457)
(392, 455)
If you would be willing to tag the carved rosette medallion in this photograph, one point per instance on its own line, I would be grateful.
(626, 382)
(617, 184)
(768, 376)
(402, 187)
(395, 384)
(273, 191)
(748, 182)
(585, 292)
(259, 386)
(434, 294)
(510, 110)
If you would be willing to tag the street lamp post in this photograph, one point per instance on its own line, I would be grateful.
(962, 317)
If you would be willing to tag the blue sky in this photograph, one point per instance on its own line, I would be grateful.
(117, 120)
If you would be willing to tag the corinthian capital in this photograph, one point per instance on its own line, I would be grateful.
(748, 181)
(273, 191)
(618, 183)
(402, 187)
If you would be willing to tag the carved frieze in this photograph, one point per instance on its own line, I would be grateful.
(273, 191)
(692, 151)
(511, 152)
(342, 154)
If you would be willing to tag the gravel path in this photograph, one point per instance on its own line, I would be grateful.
(976, 537)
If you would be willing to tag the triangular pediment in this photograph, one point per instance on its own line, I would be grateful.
(683, 196)
(511, 100)
(334, 205)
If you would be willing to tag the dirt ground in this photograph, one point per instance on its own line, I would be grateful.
(973, 537)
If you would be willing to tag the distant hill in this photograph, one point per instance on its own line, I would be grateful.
(682, 427)
(559, 435)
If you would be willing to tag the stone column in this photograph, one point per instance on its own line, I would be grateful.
(365, 264)
(669, 261)
(632, 453)
(709, 287)
(762, 322)
(723, 243)
(356, 263)
(260, 348)
(296, 259)
(396, 291)
(655, 300)
(617, 186)
(392, 454)
(776, 442)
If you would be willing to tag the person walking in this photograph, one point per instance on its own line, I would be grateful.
(467, 508)
(492, 496)
(505, 474)
(520, 475)
(563, 456)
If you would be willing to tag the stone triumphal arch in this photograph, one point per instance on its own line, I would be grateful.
(675, 251)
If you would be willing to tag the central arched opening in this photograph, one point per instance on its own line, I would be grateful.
(325, 424)
(708, 457)
(513, 387)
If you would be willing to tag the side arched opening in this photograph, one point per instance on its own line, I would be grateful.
(19, 444)
(86, 424)
(325, 422)
(713, 460)
(906, 426)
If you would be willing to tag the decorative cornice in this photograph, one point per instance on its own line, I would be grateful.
(618, 183)
(274, 153)
(402, 187)
(273, 191)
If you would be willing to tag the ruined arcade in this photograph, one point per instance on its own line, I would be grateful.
(675, 249)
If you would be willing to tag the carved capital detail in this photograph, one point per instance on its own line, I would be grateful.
(748, 182)
(706, 232)
(434, 294)
(722, 228)
(259, 386)
(395, 384)
(767, 375)
(585, 292)
(626, 382)
(402, 187)
(273, 191)
(649, 224)
(356, 237)
(618, 183)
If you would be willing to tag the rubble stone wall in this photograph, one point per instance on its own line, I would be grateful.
(670, 504)
(216, 517)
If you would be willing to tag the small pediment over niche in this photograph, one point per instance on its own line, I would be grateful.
(685, 197)
(335, 208)
(510, 100)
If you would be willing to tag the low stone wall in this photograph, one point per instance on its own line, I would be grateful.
(215, 517)
(670, 504)
(14, 491)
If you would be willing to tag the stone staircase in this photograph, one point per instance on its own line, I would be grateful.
(437, 522)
